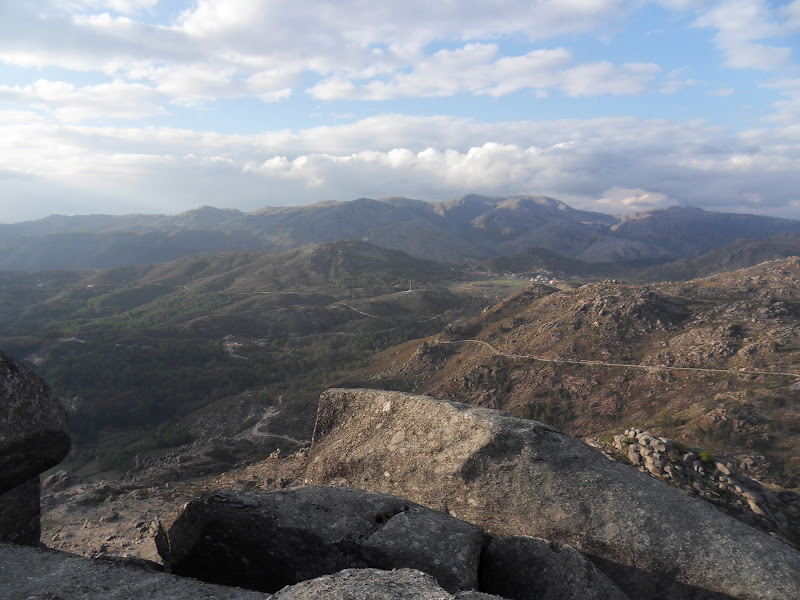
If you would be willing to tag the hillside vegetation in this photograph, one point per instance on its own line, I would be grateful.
(136, 348)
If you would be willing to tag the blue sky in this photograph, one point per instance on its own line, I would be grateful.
(121, 106)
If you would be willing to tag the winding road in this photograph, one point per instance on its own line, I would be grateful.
(597, 363)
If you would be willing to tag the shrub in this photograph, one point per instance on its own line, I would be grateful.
(707, 458)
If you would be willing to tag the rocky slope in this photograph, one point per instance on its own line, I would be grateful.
(699, 355)
(772, 510)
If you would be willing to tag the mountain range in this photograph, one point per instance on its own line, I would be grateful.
(464, 231)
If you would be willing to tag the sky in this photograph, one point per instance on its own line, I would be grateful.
(161, 106)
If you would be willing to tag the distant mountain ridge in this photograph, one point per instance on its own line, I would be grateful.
(739, 254)
(464, 230)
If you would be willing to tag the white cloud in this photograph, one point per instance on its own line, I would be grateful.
(476, 69)
(380, 52)
(723, 92)
(238, 47)
(740, 24)
(624, 200)
(791, 12)
(787, 110)
(682, 4)
(413, 24)
(675, 82)
(121, 6)
(65, 101)
(592, 79)
(601, 164)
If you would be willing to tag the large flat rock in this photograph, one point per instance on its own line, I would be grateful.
(518, 477)
(33, 425)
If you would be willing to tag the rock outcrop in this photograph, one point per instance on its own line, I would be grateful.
(33, 425)
(700, 473)
(513, 476)
(33, 438)
(268, 541)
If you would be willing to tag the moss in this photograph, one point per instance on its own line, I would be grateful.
(707, 459)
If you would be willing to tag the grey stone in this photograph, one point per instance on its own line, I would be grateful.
(57, 481)
(33, 425)
(527, 568)
(513, 476)
(473, 595)
(20, 514)
(446, 548)
(33, 573)
(724, 468)
(367, 584)
(266, 541)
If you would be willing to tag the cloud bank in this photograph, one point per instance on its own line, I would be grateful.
(124, 105)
